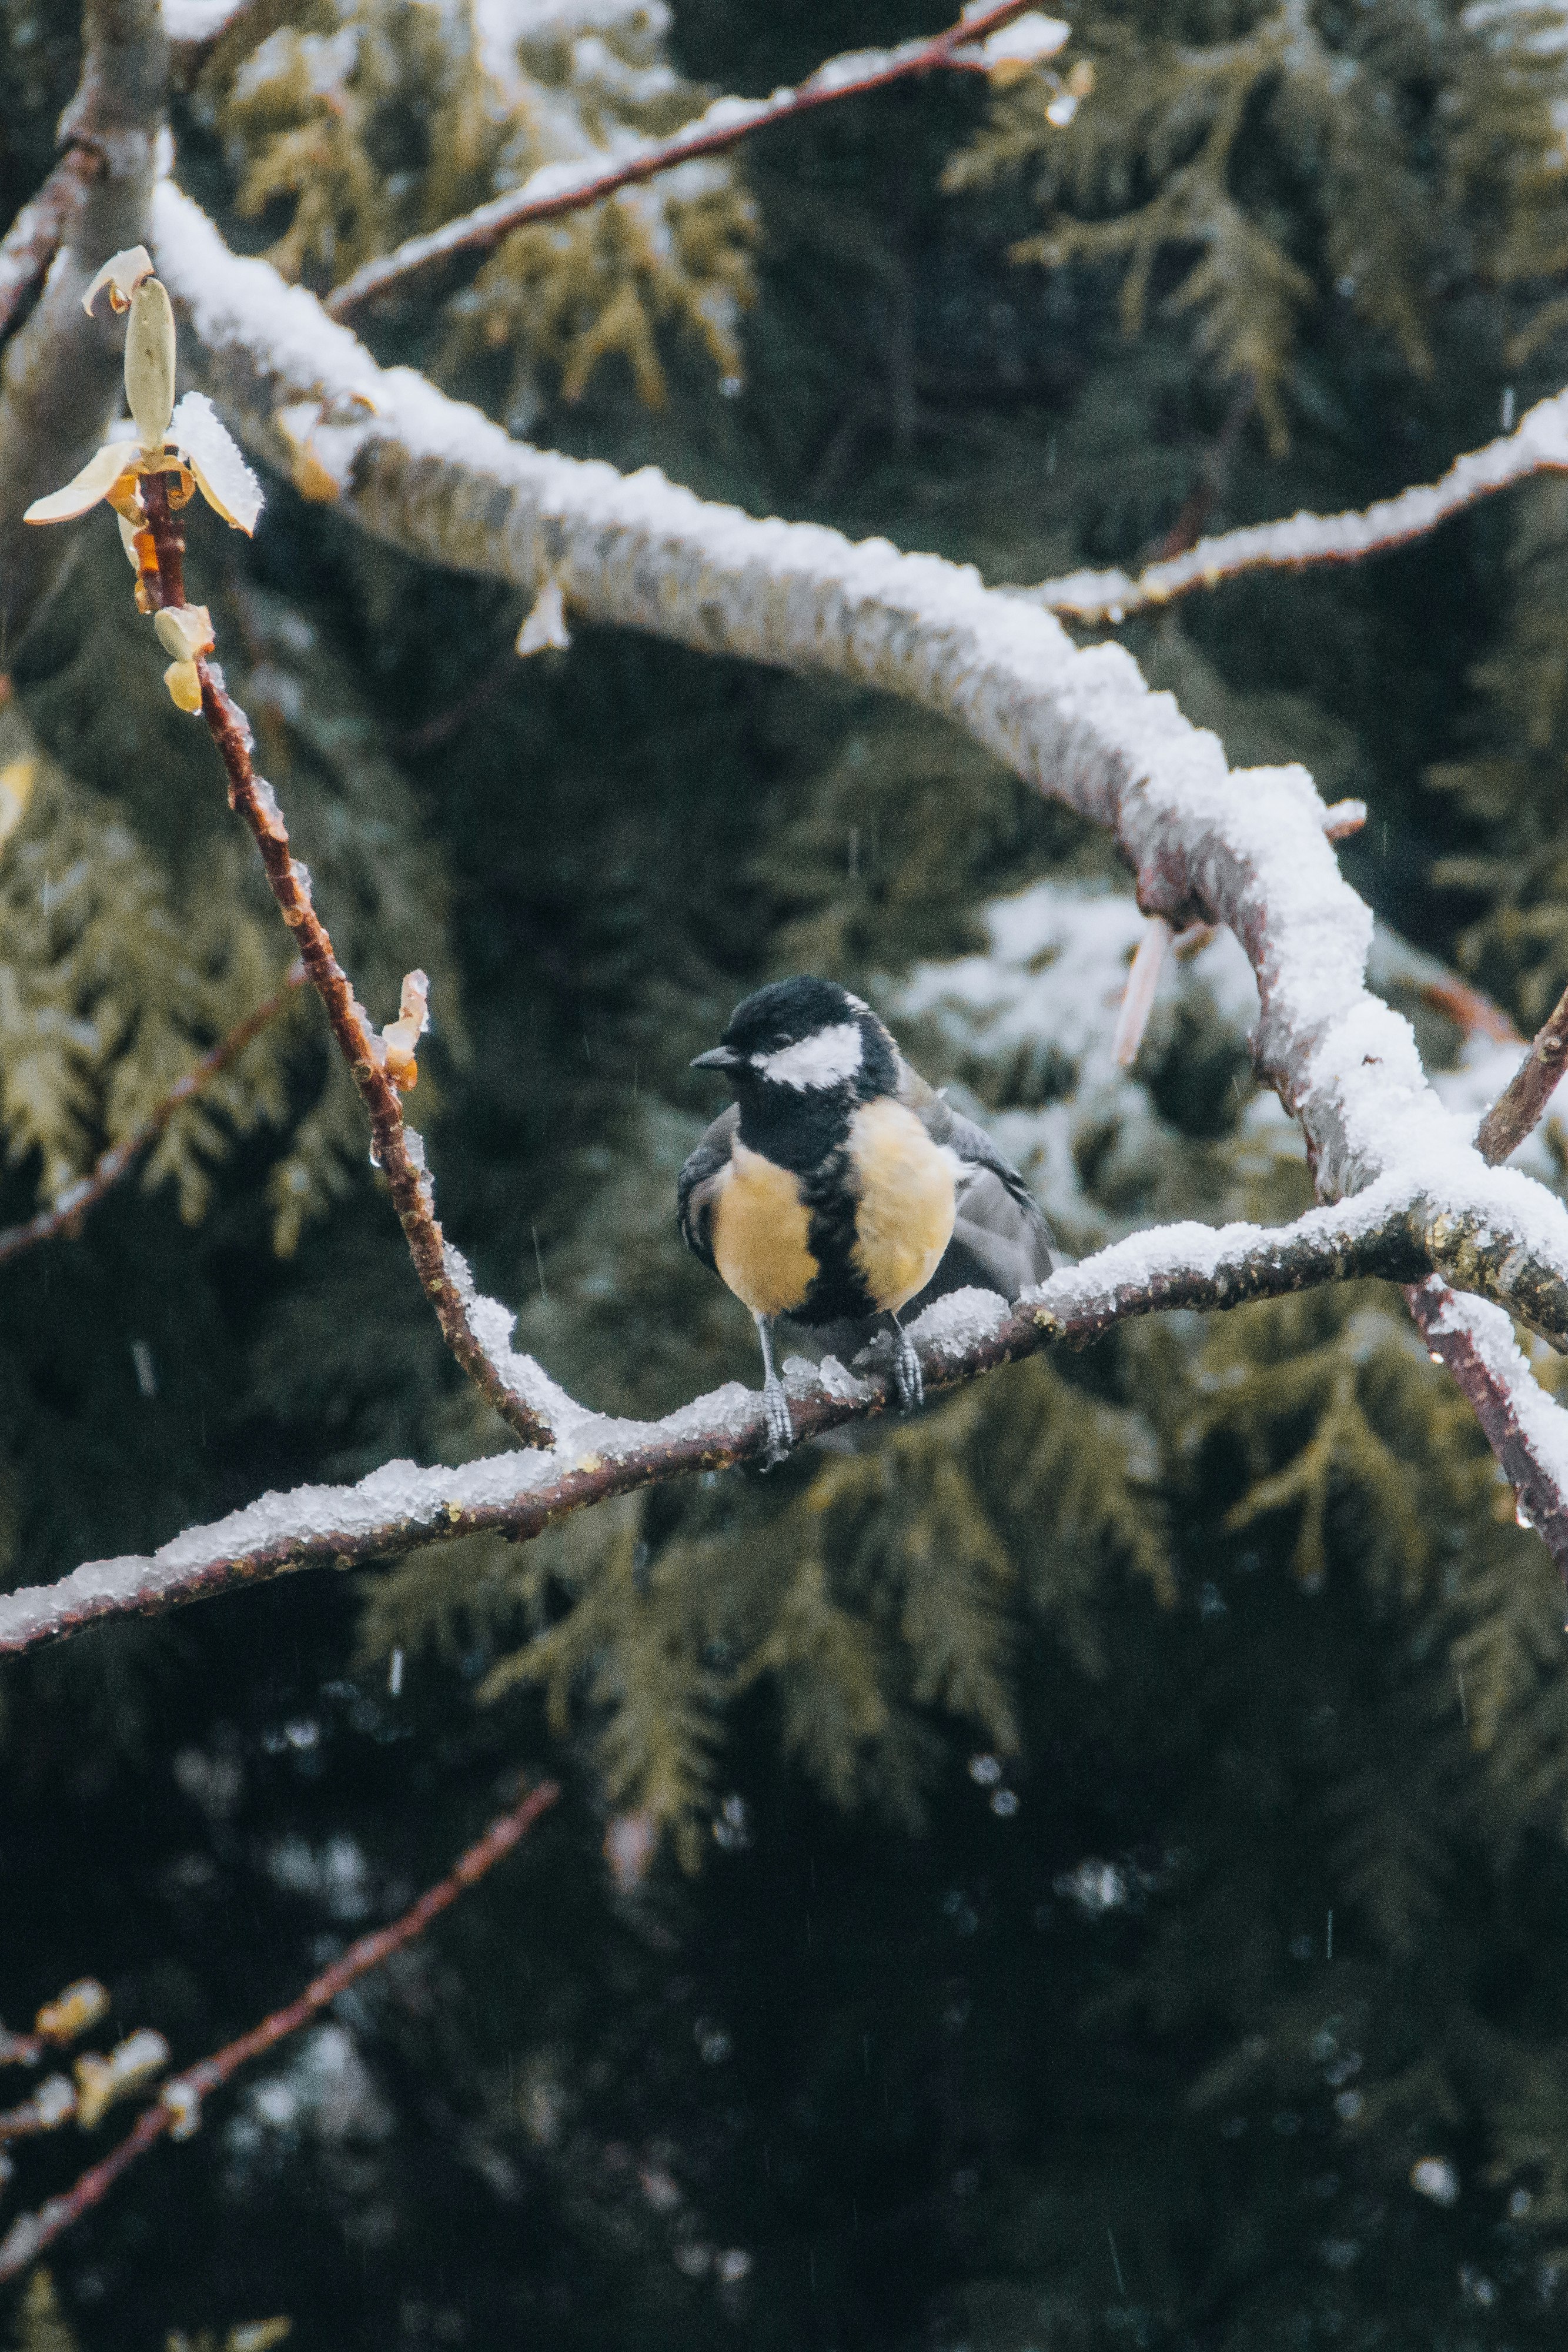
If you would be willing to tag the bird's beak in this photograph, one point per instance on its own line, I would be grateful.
(718, 1058)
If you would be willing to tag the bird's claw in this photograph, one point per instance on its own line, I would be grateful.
(908, 1378)
(776, 1420)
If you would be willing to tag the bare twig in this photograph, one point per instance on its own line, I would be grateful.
(1523, 1101)
(43, 224)
(566, 187)
(1474, 1338)
(67, 1212)
(1472, 1012)
(177, 2111)
(439, 729)
(399, 1152)
(1539, 443)
(1212, 476)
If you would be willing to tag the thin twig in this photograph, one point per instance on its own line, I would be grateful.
(71, 1207)
(177, 2109)
(399, 1152)
(1212, 476)
(1472, 1012)
(1523, 1101)
(1539, 443)
(1138, 997)
(566, 187)
(432, 732)
(41, 227)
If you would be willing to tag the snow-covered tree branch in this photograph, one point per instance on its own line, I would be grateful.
(1538, 444)
(400, 1508)
(1244, 850)
(1124, 1734)
(1000, 40)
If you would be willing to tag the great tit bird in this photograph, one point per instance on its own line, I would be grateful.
(839, 1187)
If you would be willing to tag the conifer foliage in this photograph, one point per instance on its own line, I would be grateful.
(1083, 1866)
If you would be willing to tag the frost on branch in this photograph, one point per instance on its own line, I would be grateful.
(320, 120)
(996, 40)
(1246, 851)
(1538, 444)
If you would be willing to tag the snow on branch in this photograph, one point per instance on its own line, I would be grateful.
(399, 1507)
(1538, 444)
(194, 23)
(1523, 1427)
(41, 227)
(998, 38)
(1247, 849)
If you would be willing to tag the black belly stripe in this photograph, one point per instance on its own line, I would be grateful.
(839, 1291)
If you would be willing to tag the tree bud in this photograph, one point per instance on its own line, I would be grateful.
(150, 361)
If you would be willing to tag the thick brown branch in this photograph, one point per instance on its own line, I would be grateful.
(399, 1152)
(72, 1206)
(177, 2110)
(1521, 1104)
(399, 1508)
(568, 187)
(60, 374)
(43, 224)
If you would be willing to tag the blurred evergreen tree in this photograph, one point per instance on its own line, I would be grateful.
(1111, 1883)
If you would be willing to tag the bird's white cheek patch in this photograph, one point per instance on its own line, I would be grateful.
(826, 1059)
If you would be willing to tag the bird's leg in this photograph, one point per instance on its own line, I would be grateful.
(907, 1376)
(775, 1403)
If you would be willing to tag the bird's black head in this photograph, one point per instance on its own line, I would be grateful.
(799, 1054)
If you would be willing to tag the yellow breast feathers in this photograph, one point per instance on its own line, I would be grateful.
(760, 1228)
(903, 1219)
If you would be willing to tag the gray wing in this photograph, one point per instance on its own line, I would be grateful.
(698, 1182)
(1000, 1241)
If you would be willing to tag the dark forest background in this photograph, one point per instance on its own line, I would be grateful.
(1112, 1886)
